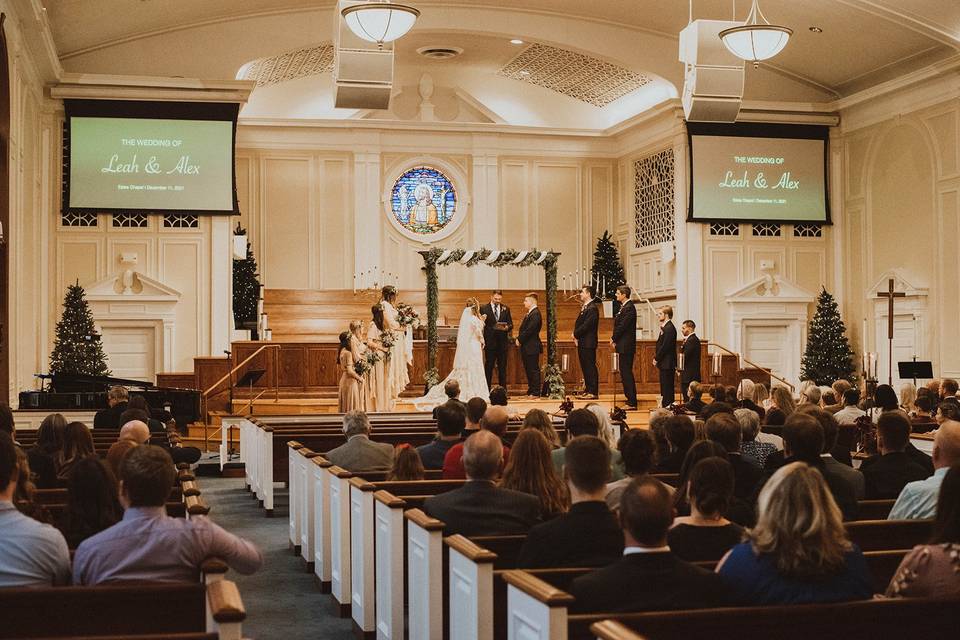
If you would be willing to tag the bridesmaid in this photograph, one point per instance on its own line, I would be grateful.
(378, 374)
(397, 375)
(350, 398)
(358, 348)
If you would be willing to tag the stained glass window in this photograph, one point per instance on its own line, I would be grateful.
(423, 200)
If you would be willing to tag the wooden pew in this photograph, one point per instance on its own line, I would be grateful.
(146, 609)
(539, 610)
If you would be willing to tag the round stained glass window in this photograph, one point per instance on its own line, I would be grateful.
(423, 201)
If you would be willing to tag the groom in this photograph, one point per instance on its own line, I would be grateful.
(528, 339)
(497, 325)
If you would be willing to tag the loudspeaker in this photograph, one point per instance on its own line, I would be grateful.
(362, 70)
(713, 82)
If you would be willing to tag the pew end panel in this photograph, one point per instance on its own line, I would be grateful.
(362, 555)
(389, 565)
(471, 589)
(424, 575)
(340, 538)
(226, 608)
(321, 522)
(536, 610)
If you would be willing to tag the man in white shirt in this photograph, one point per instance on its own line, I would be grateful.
(32, 554)
(918, 500)
(850, 411)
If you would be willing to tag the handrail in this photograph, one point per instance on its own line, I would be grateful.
(754, 365)
(252, 400)
(236, 368)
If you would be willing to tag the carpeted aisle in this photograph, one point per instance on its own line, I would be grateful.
(281, 599)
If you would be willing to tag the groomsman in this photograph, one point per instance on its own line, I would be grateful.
(624, 341)
(496, 328)
(665, 359)
(528, 339)
(585, 337)
(691, 358)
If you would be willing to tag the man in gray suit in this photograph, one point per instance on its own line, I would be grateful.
(359, 453)
(480, 507)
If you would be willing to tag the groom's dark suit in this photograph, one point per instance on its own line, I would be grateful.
(496, 342)
(624, 339)
(528, 337)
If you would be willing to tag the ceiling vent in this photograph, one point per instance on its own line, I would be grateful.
(439, 53)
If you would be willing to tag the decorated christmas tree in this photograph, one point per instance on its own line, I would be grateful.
(246, 287)
(607, 272)
(828, 357)
(77, 348)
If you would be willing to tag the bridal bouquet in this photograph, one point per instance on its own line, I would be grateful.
(407, 316)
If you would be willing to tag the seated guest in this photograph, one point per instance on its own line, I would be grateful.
(637, 450)
(695, 404)
(494, 421)
(132, 434)
(749, 430)
(480, 507)
(714, 408)
(833, 452)
(706, 534)
(77, 445)
(649, 576)
(679, 434)
(745, 392)
(138, 411)
(948, 389)
(583, 422)
(658, 427)
(92, 503)
(109, 418)
(498, 396)
(761, 395)
(798, 552)
(887, 473)
(885, 398)
(851, 410)
(718, 393)
(608, 432)
(588, 535)
(32, 554)
(476, 407)
(839, 388)
(701, 450)
(811, 395)
(451, 420)
(725, 430)
(827, 399)
(908, 394)
(541, 421)
(947, 411)
(24, 499)
(530, 470)
(7, 424)
(922, 421)
(781, 406)
(139, 402)
(359, 452)
(406, 464)
(933, 570)
(44, 456)
(149, 545)
(452, 390)
(918, 500)
(803, 441)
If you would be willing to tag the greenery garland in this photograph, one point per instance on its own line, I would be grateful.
(548, 260)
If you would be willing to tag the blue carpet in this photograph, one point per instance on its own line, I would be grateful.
(281, 599)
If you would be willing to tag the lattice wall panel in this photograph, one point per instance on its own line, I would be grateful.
(724, 229)
(181, 221)
(653, 199)
(130, 221)
(573, 74)
(299, 63)
(766, 230)
(808, 230)
(78, 219)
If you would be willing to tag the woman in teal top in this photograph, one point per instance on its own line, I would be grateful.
(799, 552)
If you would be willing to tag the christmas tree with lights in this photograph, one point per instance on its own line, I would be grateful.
(77, 348)
(828, 357)
(607, 272)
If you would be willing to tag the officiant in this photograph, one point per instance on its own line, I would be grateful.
(497, 325)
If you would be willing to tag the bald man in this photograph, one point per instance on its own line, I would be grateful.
(132, 434)
(480, 507)
(918, 500)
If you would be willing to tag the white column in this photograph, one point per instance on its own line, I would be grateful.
(367, 212)
(221, 283)
(485, 215)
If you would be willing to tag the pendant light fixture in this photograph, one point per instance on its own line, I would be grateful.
(756, 39)
(380, 21)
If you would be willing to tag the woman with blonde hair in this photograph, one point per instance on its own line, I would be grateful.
(541, 421)
(908, 395)
(782, 405)
(609, 433)
(530, 470)
(799, 551)
(760, 394)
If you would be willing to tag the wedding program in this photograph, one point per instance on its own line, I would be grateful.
(752, 177)
(137, 163)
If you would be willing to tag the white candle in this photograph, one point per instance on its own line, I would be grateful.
(680, 361)
(354, 283)
(565, 362)
(616, 362)
(604, 286)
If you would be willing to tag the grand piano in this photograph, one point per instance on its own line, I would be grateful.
(81, 392)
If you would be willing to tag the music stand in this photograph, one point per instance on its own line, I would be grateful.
(922, 370)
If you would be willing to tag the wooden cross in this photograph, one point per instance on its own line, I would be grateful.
(890, 294)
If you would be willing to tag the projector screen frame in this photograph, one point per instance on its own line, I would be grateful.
(759, 130)
(148, 110)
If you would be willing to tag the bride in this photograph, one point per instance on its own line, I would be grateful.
(467, 362)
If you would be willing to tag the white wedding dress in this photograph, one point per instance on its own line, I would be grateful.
(467, 366)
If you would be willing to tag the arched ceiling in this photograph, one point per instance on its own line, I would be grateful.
(863, 43)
